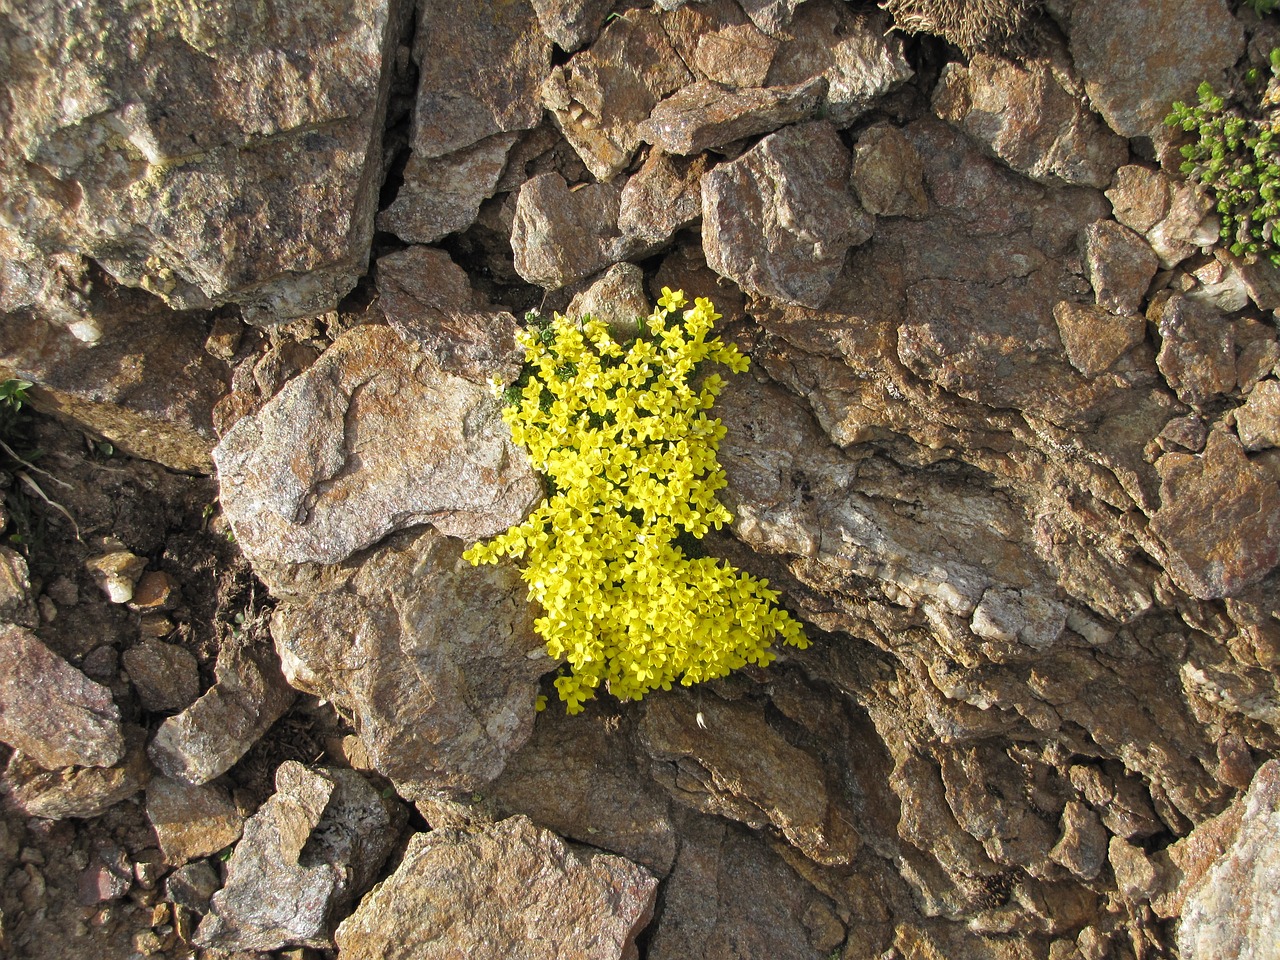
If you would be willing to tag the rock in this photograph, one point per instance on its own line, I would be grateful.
(1257, 352)
(108, 877)
(1030, 115)
(1010, 615)
(1082, 848)
(562, 234)
(1233, 911)
(771, 16)
(491, 88)
(1197, 353)
(1134, 66)
(762, 227)
(705, 115)
(479, 894)
(572, 23)
(1094, 338)
(429, 301)
(205, 740)
(346, 453)
(888, 174)
(1258, 421)
(1121, 801)
(1140, 197)
(165, 676)
(50, 710)
(1189, 225)
(191, 886)
(306, 855)
(599, 98)
(16, 604)
(442, 195)
(733, 764)
(116, 573)
(617, 298)
(1220, 518)
(1120, 265)
(855, 50)
(729, 893)
(435, 660)
(660, 198)
(1137, 876)
(155, 591)
(80, 792)
(191, 822)
(173, 192)
(1185, 433)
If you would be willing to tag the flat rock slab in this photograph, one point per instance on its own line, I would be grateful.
(562, 234)
(704, 115)
(371, 439)
(779, 219)
(81, 792)
(510, 891)
(174, 192)
(50, 710)
(191, 821)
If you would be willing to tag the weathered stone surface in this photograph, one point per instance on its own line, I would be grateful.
(428, 299)
(1220, 517)
(16, 603)
(191, 821)
(165, 676)
(572, 23)
(1139, 197)
(888, 174)
(510, 890)
(562, 234)
(435, 660)
(705, 115)
(617, 298)
(771, 16)
(1197, 351)
(1134, 65)
(718, 42)
(121, 146)
(81, 792)
(1082, 848)
(602, 94)
(306, 854)
(369, 440)
(1189, 225)
(734, 765)
(50, 710)
(207, 738)
(730, 895)
(191, 886)
(1095, 338)
(1234, 912)
(491, 88)
(855, 50)
(1120, 265)
(660, 198)
(116, 573)
(442, 195)
(1258, 421)
(138, 375)
(779, 219)
(1030, 115)
(1257, 352)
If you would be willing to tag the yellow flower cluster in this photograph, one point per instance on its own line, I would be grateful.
(631, 453)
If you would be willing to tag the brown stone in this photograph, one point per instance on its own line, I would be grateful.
(1094, 337)
(191, 822)
(661, 198)
(1120, 265)
(705, 115)
(1197, 351)
(165, 676)
(1258, 421)
(888, 174)
(80, 792)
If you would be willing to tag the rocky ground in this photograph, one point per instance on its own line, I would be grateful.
(1009, 446)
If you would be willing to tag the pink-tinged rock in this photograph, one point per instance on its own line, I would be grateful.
(562, 234)
(1027, 115)
(191, 822)
(660, 198)
(1258, 421)
(1137, 58)
(1220, 518)
(371, 439)
(1095, 338)
(509, 891)
(1197, 350)
(705, 115)
(81, 792)
(1234, 911)
(50, 710)
(1120, 265)
(779, 219)
(1139, 197)
(888, 175)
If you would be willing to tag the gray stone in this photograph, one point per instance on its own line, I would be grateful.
(509, 890)
(1120, 265)
(205, 740)
(492, 87)
(562, 234)
(1258, 421)
(572, 23)
(174, 192)
(660, 198)
(1028, 115)
(435, 660)
(191, 822)
(442, 195)
(1082, 848)
(771, 16)
(165, 676)
(617, 298)
(779, 219)
(191, 886)
(599, 98)
(428, 299)
(50, 710)
(705, 115)
(1134, 65)
(888, 175)
(369, 440)
(855, 50)
(306, 855)
(1220, 518)
(1234, 911)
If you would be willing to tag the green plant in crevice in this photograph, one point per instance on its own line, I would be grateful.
(1262, 7)
(1236, 160)
(623, 435)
